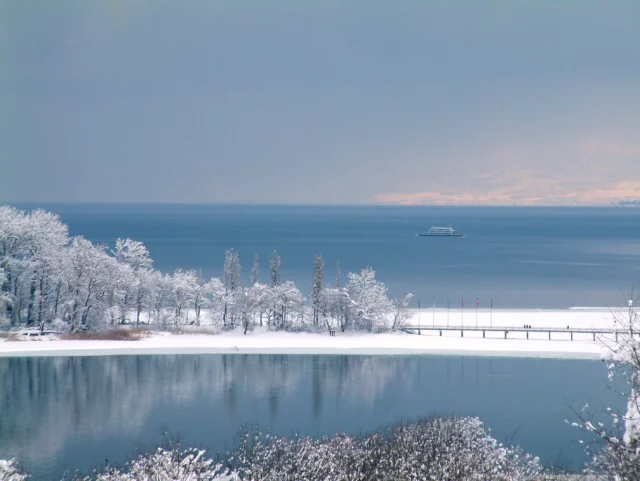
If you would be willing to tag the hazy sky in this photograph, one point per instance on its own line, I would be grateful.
(289, 101)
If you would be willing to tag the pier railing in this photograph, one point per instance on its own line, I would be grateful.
(507, 330)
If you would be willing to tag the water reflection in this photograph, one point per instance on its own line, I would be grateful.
(65, 412)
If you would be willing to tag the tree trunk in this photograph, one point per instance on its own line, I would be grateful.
(85, 310)
(41, 302)
(55, 309)
(123, 317)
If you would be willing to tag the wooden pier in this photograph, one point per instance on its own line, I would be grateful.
(507, 330)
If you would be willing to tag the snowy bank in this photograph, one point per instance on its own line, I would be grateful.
(304, 343)
(264, 342)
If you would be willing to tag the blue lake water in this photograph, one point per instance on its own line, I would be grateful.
(60, 413)
(520, 257)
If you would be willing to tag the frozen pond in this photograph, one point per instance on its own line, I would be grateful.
(59, 413)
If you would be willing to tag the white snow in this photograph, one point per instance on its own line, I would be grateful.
(264, 342)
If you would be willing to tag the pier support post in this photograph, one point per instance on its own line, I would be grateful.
(527, 335)
(572, 336)
(440, 332)
(549, 335)
(505, 334)
(594, 336)
(616, 336)
(483, 333)
(461, 333)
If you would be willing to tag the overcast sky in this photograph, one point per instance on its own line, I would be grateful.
(322, 102)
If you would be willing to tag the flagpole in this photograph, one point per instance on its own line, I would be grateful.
(447, 312)
(434, 313)
(477, 312)
(491, 315)
(419, 332)
(462, 313)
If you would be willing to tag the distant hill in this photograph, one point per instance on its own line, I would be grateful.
(629, 203)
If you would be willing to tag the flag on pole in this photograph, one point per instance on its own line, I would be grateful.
(477, 303)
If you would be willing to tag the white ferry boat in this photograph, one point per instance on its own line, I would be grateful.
(441, 232)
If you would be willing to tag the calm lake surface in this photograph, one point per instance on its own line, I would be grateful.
(60, 413)
(520, 257)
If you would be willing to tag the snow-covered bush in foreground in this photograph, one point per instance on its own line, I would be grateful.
(171, 464)
(10, 472)
(432, 449)
(438, 449)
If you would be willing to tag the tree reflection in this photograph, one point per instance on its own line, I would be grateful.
(47, 400)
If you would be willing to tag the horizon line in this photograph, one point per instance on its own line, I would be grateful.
(620, 204)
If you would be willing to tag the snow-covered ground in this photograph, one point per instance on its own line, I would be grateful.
(261, 341)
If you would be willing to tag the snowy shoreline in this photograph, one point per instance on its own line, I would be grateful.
(354, 343)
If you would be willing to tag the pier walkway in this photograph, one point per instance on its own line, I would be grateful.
(507, 330)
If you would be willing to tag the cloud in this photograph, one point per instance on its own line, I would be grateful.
(531, 191)
(595, 146)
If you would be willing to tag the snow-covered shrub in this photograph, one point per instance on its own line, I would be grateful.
(10, 472)
(171, 464)
(433, 449)
(616, 463)
(616, 450)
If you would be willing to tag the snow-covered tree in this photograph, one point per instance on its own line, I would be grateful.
(12, 253)
(47, 240)
(288, 305)
(45, 277)
(331, 301)
(369, 305)
(274, 277)
(255, 270)
(318, 279)
(274, 269)
(4, 297)
(142, 290)
(133, 253)
(89, 275)
(247, 309)
(200, 295)
(261, 300)
(184, 285)
(160, 294)
(400, 311)
(134, 286)
(215, 292)
(231, 282)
